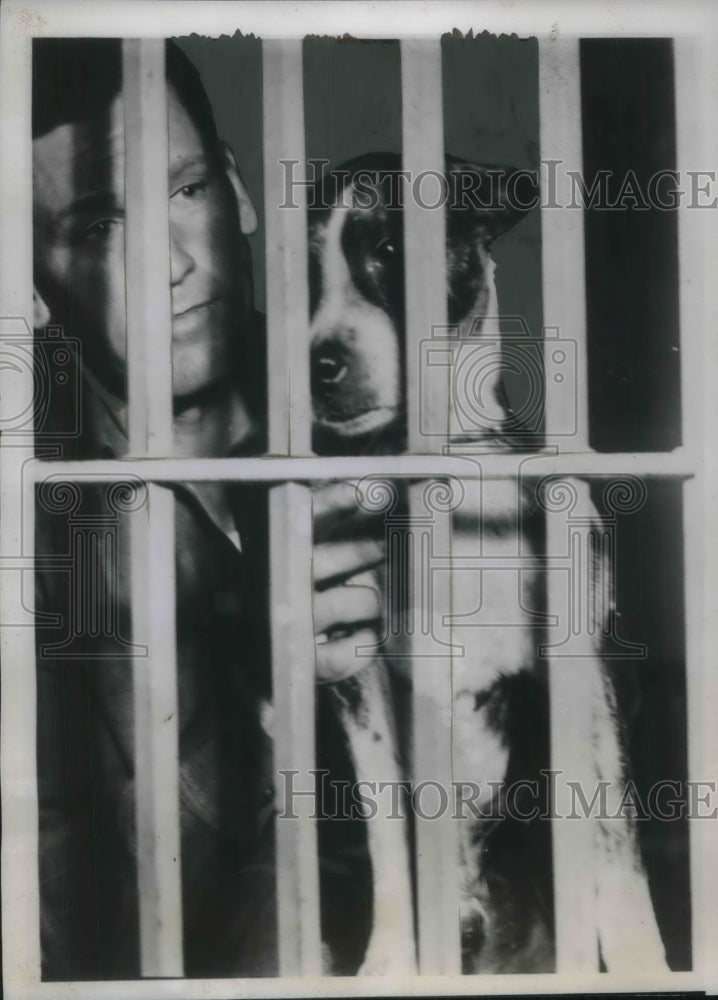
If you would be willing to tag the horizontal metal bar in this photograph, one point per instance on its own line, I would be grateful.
(516, 984)
(675, 464)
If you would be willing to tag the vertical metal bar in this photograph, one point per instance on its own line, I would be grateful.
(289, 396)
(571, 684)
(293, 668)
(425, 297)
(566, 427)
(152, 533)
(696, 91)
(562, 247)
(290, 510)
(437, 852)
(149, 309)
(18, 713)
(149, 364)
(424, 240)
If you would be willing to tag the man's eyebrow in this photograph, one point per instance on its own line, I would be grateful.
(188, 163)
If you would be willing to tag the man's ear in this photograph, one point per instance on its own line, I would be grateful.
(247, 215)
(40, 312)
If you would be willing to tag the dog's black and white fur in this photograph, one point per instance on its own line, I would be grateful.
(357, 333)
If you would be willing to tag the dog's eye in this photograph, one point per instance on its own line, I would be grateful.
(385, 248)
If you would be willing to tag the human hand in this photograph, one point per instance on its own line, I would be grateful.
(349, 572)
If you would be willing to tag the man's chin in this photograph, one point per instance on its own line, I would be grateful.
(197, 366)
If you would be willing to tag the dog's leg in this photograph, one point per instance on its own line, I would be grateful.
(363, 705)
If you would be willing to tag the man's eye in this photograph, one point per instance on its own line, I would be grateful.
(194, 190)
(98, 230)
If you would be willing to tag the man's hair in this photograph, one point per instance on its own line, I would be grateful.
(76, 79)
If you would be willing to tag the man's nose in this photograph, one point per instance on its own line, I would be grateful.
(181, 260)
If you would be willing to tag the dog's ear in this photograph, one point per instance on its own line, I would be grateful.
(491, 199)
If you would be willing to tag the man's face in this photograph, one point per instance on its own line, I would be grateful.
(78, 172)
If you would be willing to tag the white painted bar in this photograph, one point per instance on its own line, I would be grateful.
(647, 464)
(149, 308)
(437, 852)
(562, 245)
(290, 510)
(424, 241)
(516, 984)
(18, 712)
(293, 687)
(696, 91)
(570, 684)
(149, 367)
(152, 534)
(289, 397)
(566, 426)
(437, 849)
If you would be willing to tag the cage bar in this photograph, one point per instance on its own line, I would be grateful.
(147, 248)
(149, 365)
(424, 242)
(152, 534)
(18, 708)
(566, 428)
(562, 246)
(290, 507)
(571, 726)
(648, 464)
(293, 666)
(437, 853)
(289, 398)
(696, 91)
(437, 850)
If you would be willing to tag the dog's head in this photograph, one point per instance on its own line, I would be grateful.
(356, 268)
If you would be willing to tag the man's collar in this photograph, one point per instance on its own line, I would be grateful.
(222, 429)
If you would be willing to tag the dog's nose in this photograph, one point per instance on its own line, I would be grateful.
(329, 365)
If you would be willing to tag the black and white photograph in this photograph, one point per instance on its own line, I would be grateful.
(358, 571)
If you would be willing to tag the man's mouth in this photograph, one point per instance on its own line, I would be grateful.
(190, 321)
(198, 307)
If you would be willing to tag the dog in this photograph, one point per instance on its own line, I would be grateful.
(357, 332)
